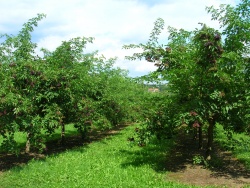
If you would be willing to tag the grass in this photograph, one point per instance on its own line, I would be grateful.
(111, 162)
(239, 144)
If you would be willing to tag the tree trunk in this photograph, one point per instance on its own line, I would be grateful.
(63, 134)
(200, 138)
(194, 133)
(210, 137)
(27, 147)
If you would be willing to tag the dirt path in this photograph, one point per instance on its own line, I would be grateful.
(225, 170)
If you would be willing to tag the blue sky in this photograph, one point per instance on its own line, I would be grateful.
(113, 23)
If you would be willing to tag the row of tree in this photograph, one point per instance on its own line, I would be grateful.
(207, 72)
(40, 94)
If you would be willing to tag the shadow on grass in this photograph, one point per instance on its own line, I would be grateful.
(167, 155)
(153, 155)
(175, 155)
(224, 164)
(54, 147)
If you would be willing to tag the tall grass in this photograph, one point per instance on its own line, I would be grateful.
(111, 162)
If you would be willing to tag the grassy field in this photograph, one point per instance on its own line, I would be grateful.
(111, 162)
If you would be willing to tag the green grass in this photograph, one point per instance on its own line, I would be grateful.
(239, 144)
(111, 162)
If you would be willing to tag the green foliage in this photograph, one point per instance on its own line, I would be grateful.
(156, 119)
(65, 86)
(235, 24)
(20, 47)
(199, 160)
(207, 72)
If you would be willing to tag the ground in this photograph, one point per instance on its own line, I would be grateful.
(224, 169)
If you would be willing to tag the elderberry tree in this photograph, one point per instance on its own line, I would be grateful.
(207, 73)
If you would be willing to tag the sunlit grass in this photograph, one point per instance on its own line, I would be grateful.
(111, 162)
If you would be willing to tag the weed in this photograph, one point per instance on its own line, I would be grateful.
(200, 160)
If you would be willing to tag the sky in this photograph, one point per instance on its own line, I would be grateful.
(113, 23)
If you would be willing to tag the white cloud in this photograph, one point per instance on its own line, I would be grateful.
(50, 42)
(113, 23)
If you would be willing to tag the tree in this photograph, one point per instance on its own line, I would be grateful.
(207, 77)
(235, 22)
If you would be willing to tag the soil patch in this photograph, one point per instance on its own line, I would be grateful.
(223, 170)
